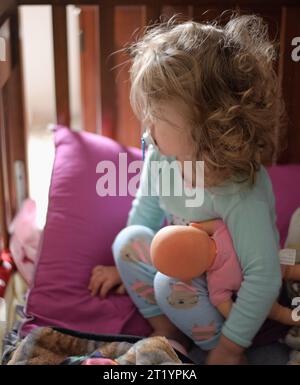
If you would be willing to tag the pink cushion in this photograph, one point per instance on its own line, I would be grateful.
(286, 186)
(78, 235)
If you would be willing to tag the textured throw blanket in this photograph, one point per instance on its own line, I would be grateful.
(47, 346)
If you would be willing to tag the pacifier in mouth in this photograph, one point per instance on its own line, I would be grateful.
(146, 141)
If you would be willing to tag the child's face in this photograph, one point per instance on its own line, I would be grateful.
(170, 132)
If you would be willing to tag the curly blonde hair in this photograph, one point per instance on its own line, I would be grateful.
(226, 79)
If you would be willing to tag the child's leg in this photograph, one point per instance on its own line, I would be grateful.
(188, 307)
(131, 250)
(132, 257)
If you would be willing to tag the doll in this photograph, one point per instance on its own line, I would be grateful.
(186, 252)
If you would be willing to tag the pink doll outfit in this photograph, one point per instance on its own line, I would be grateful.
(224, 277)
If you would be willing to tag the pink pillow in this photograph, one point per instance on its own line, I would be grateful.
(286, 186)
(25, 239)
(79, 231)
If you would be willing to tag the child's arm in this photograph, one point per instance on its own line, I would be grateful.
(145, 208)
(278, 313)
(256, 243)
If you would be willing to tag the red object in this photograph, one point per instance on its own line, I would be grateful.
(6, 269)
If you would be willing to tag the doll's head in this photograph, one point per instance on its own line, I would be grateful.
(209, 92)
(182, 252)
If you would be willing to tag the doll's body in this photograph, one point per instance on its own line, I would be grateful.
(173, 254)
(224, 276)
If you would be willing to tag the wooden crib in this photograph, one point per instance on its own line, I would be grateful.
(115, 20)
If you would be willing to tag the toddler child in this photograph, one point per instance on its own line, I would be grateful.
(204, 93)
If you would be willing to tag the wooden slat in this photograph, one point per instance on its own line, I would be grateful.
(13, 130)
(6, 9)
(289, 71)
(107, 80)
(127, 20)
(5, 62)
(6, 144)
(4, 237)
(61, 64)
(15, 137)
(89, 68)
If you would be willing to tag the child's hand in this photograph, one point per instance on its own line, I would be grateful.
(226, 353)
(103, 279)
(218, 357)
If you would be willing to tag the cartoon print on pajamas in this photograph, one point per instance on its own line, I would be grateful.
(136, 251)
(183, 296)
(144, 291)
(174, 220)
(202, 333)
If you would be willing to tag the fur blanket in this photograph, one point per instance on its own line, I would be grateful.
(47, 346)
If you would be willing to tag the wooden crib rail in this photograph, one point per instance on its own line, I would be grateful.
(12, 128)
(60, 45)
(284, 12)
(107, 83)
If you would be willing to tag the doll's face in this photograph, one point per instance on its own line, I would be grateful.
(182, 252)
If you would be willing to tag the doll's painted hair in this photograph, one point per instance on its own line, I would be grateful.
(225, 77)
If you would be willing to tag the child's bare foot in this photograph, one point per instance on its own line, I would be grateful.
(162, 326)
(177, 339)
